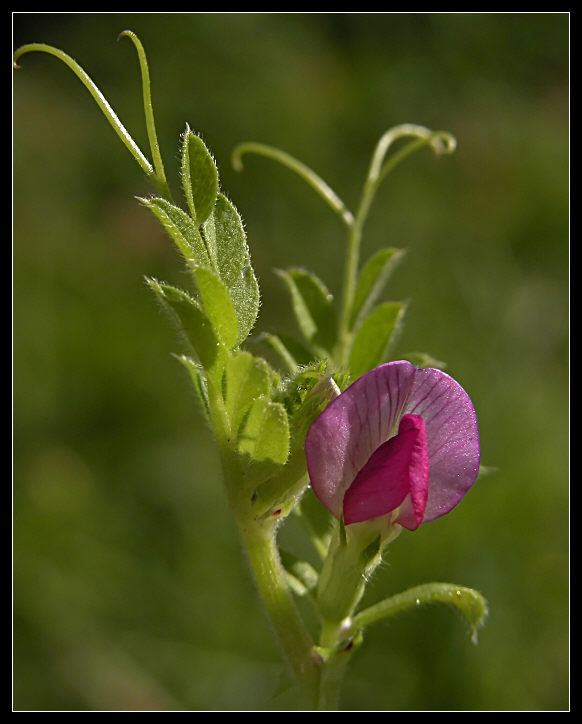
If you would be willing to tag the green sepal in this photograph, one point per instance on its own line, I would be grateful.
(313, 308)
(217, 305)
(310, 392)
(372, 339)
(353, 554)
(470, 603)
(199, 177)
(371, 282)
(195, 325)
(181, 229)
(246, 379)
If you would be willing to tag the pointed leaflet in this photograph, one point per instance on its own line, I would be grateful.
(373, 338)
(217, 305)
(371, 282)
(199, 177)
(276, 345)
(226, 242)
(264, 438)
(194, 323)
(246, 300)
(313, 308)
(198, 381)
(247, 378)
(181, 228)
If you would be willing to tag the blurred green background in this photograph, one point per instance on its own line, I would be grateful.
(130, 587)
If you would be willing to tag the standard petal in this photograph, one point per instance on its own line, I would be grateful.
(342, 439)
(452, 437)
(396, 472)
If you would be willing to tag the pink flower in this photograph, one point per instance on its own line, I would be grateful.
(401, 441)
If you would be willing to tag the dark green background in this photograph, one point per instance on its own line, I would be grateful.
(130, 587)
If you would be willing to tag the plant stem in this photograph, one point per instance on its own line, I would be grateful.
(98, 97)
(315, 181)
(349, 288)
(258, 538)
(149, 115)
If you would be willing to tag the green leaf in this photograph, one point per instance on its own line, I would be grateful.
(198, 381)
(247, 378)
(276, 345)
(227, 245)
(313, 308)
(226, 240)
(373, 338)
(285, 350)
(371, 282)
(467, 601)
(217, 305)
(421, 359)
(245, 297)
(199, 177)
(194, 323)
(264, 435)
(181, 228)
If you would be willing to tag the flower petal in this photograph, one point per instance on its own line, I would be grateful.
(342, 439)
(397, 471)
(452, 434)
(354, 425)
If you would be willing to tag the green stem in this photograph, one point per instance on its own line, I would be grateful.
(149, 114)
(467, 601)
(441, 142)
(258, 538)
(332, 677)
(349, 287)
(98, 97)
(315, 181)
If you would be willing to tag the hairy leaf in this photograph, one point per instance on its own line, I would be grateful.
(194, 323)
(245, 297)
(217, 305)
(247, 378)
(199, 177)
(264, 435)
(182, 230)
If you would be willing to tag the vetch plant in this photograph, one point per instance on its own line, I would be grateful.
(358, 448)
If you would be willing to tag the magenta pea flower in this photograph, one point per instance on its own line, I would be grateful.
(401, 441)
